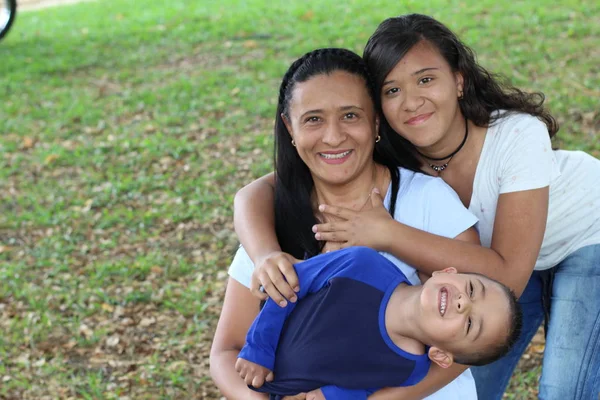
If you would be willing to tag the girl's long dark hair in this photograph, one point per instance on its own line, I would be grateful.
(294, 214)
(483, 91)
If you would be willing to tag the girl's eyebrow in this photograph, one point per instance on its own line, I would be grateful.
(423, 70)
(413, 74)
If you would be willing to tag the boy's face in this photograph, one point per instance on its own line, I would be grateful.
(461, 313)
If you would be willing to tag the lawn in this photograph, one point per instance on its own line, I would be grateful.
(126, 128)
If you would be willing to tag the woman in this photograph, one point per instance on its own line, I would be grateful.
(328, 149)
(537, 208)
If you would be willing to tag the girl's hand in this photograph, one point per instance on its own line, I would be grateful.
(357, 228)
(276, 275)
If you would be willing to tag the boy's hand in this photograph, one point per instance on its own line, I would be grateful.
(315, 395)
(253, 374)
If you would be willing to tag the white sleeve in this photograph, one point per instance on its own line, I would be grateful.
(241, 267)
(443, 212)
(528, 161)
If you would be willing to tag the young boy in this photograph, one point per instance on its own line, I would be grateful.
(360, 326)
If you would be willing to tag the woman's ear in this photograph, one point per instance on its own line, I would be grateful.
(287, 124)
(440, 357)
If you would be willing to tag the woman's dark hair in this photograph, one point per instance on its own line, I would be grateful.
(294, 214)
(482, 92)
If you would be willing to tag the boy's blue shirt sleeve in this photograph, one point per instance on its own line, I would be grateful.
(313, 274)
(332, 392)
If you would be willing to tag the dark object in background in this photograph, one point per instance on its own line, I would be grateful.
(8, 12)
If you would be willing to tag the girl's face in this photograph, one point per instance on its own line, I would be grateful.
(332, 121)
(420, 96)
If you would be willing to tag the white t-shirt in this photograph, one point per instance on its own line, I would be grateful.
(425, 203)
(517, 155)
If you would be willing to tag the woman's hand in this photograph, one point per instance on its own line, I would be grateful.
(275, 273)
(357, 228)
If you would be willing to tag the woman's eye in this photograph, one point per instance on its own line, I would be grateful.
(312, 119)
(350, 115)
(425, 80)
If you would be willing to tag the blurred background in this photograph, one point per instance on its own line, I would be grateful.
(126, 127)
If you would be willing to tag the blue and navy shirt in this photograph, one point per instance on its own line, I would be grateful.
(334, 337)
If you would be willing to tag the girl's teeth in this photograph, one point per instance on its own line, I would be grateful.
(335, 156)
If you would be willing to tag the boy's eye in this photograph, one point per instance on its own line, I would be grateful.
(468, 325)
(471, 290)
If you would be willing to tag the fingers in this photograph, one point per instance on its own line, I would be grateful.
(281, 287)
(258, 381)
(376, 199)
(332, 236)
(255, 286)
(270, 377)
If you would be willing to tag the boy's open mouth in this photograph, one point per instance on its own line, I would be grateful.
(443, 301)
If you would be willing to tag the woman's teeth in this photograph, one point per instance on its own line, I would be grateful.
(330, 156)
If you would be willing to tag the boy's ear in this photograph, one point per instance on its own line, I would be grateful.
(449, 270)
(440, 357)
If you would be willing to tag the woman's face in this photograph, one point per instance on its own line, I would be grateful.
(332, 121)
(420, 96)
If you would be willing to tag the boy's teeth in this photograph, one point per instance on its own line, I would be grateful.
(334, 156)
(443, 305)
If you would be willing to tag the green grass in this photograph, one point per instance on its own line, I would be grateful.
(126, 128)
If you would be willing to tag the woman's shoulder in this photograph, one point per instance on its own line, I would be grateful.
(413, 183)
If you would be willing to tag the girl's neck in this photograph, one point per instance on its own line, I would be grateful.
(449, 142)
(355, 194)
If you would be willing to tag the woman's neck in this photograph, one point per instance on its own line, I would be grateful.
(355, 194)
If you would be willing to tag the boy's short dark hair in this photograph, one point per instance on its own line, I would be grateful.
(498, 350)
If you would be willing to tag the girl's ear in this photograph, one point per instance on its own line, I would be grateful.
(460, 84)
(440, 357)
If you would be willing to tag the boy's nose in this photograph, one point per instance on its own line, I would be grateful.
(463, 303)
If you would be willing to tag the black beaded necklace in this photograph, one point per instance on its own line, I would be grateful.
(440, 168)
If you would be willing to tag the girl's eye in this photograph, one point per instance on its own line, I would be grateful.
(471, 290)
(425, 80)
(392, 91)
(469, 325)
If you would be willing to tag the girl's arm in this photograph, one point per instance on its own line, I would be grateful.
(517, 238)
(240, 308)
(254, 218)
(436, 379)
(254, 222)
